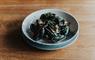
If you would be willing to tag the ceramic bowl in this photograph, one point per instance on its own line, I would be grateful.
(40, 44)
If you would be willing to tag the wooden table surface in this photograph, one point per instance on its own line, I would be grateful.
(12, 46)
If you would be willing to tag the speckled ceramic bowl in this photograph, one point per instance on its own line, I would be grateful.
(40, 44)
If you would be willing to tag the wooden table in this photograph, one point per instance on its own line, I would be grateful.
(12, 46)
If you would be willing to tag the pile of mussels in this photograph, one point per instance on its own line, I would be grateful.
(50, 28)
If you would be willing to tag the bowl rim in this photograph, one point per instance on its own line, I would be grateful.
(50, 43)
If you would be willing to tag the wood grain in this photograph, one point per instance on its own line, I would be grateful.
(12, 46)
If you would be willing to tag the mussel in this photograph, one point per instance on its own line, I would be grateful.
(50, 26)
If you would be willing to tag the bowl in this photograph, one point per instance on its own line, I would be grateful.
(40, 44)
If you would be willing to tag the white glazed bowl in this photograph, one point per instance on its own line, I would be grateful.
(40, 44)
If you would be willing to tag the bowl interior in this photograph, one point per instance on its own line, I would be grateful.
(36, 15)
